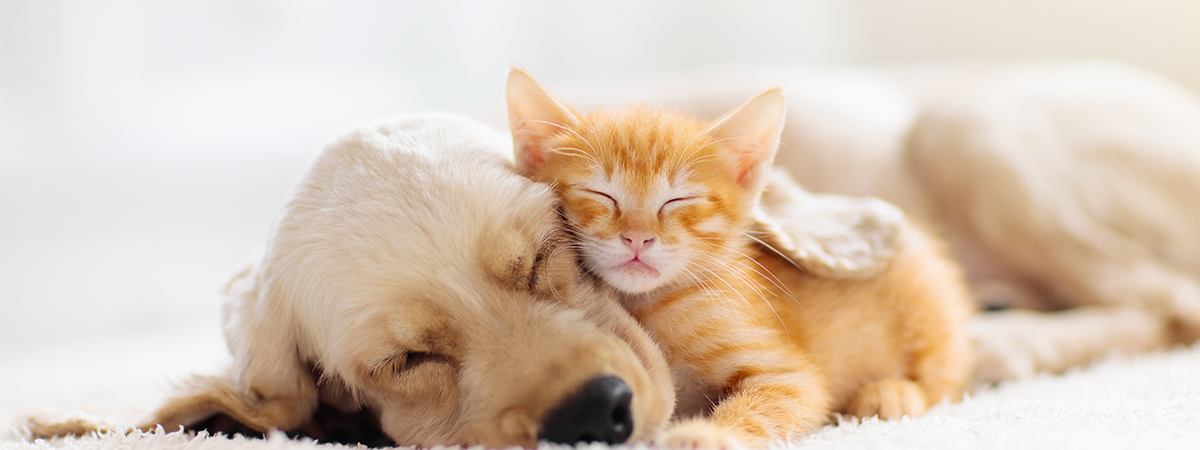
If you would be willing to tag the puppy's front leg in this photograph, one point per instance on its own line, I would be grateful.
(606, 312)
(1017, 343)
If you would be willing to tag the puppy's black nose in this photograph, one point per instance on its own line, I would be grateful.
(599, 412)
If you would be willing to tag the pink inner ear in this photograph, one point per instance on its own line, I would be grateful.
(529, 144)
(749, 175)
(750, 162)
(530, 157)
(751, 134)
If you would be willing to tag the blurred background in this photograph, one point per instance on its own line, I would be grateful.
(145, 146)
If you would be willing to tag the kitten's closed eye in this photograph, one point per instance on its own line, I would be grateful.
(679, 202)
(601, 195)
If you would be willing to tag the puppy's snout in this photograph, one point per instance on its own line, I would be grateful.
(599, 412)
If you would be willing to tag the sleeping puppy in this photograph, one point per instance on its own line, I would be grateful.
(1070, 192)
(1067, 187)
(414, 276)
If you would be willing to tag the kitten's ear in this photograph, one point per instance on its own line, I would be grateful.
(533, 117)
(830, 236)
(751, 132)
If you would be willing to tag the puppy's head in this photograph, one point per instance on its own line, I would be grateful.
(429, 284)
(480, 333)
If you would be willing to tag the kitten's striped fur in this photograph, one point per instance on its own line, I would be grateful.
(661, 204)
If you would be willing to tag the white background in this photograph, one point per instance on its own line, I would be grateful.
(145, 146)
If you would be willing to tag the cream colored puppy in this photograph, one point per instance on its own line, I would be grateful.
(1071, 186)
(414, 275)
(1067, 186)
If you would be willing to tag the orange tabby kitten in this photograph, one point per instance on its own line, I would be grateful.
(661, 204)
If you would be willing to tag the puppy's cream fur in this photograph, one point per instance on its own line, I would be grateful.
(414, 273)
(1061, 186)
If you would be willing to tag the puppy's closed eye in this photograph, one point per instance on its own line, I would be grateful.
(406, 361)
(417, 358)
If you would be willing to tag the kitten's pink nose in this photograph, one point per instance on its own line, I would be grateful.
(637, 240)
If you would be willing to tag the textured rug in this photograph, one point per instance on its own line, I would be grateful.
(1145, 401)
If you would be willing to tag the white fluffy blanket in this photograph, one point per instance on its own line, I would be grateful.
(1146, 401)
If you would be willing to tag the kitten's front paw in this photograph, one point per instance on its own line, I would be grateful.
(889, 399)
(699, 434)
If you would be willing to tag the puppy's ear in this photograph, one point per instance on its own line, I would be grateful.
(75, 424)
(269, 388)
(198, 399)
(203, 397)
(270, 385)
(534, 116)
(831, 236)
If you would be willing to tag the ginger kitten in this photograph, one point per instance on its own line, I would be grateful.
(661, 204)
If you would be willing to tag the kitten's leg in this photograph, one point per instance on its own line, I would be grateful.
(889, 399)
(774, 393)
(932, 309)
(940, 366)
(938, 372)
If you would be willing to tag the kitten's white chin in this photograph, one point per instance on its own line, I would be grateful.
(638, 268)
(634, 277)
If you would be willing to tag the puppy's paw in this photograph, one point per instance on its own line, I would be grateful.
(699, 434)
(889, 399)
(998, 358)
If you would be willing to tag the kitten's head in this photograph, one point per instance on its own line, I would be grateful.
(655, 197)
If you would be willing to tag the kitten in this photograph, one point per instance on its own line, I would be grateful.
(661, 205)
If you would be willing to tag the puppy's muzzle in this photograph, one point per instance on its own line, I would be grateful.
(599, 412)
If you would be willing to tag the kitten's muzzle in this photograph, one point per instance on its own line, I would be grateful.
(599, 412)
(637, 241)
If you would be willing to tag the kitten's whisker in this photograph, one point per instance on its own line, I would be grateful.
(746, 301)
(569, 130)
(745, 279)
(775, 251)
(576, 153)
(689, 164)
(768, 275)
(731, 273)
(727, 138)
(692, 267)
(765, 273)
(705, 285)
(694, 150)
(693, 141)
(717, 258)
(739, 293)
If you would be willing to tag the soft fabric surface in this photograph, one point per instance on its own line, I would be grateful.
(1146, 401)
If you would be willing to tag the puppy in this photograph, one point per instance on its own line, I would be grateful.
(414, 276)
(1071, 187)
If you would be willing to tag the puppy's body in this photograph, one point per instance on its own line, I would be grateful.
(1060, 186)
(1072, 185)
(414, 274)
